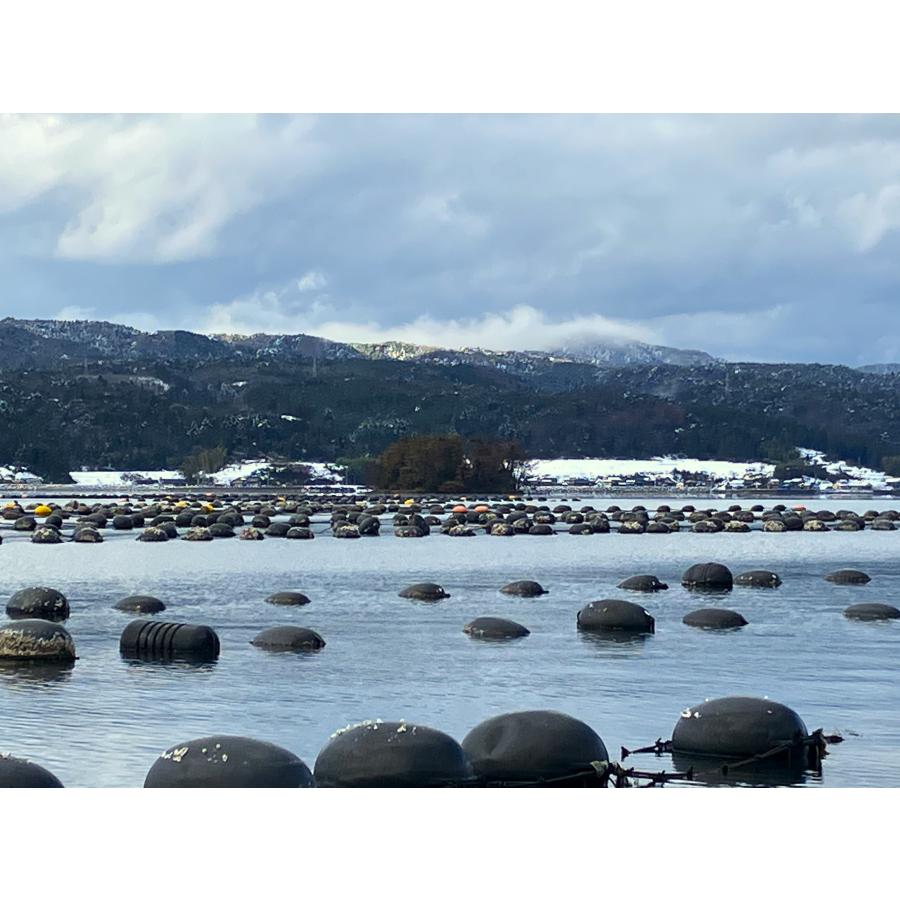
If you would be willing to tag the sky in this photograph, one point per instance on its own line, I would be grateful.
(770, 238)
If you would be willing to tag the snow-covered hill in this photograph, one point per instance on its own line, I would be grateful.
(674, 472)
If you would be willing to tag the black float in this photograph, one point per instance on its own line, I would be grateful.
(146, 639)
(535, 747)
(392, 754)
(38, 603)
(616, 615)
(225, 761)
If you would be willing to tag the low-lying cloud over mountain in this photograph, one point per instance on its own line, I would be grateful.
(751, 237)
(46, 343)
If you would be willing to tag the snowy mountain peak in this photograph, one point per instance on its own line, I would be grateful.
(633, 353)
(40, 339)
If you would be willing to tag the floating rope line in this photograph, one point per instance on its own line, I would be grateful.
(814, 746)
(601, 774)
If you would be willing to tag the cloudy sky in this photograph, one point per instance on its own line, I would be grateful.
(751, 237)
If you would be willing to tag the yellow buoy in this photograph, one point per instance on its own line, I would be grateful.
(408, 502)
(42, 510)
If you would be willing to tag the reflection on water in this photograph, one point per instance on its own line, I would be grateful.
(15, 672)
(623, 639)
(105, 720)
(725, 773)
(710, 593)
(170, 664)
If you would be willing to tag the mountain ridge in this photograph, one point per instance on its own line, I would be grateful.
(109, 396)
(95, 339)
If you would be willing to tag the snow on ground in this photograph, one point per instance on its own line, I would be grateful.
(567, 469)
(657, 469)
(842, 476)
(244, 469)
(250, 467)
(855, 476)
(124, 479)
(16, 473)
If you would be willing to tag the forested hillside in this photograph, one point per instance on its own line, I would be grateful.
(150, 403)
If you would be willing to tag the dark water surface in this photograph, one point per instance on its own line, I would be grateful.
(103, 722)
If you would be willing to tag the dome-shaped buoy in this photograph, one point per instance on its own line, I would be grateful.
(288, 598)
(541, 529)
(38, 603)
(714, 618)
(761, 578)
(225, 761)
(872, 612)
(369, 526)
(848, 576)
(616, 615)
(736, 727)
(708, 576)
(501, 529)
(22, 773)
(36, 639)
(532, 747)
(288, 637)
(647, 583)
(86, 534)
(425, 590)
(523, 589)
(391, 754)
(491, 628)
(140, 603)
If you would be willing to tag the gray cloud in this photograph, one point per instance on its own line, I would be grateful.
(751, 237)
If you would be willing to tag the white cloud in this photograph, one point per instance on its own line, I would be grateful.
(447, 210)
(522, 327)
(737, 334)
(311, 281)
(870, 218)
(149, 189)
(502, 231)
(76, 313)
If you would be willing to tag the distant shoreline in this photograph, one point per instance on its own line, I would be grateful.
(73, 491)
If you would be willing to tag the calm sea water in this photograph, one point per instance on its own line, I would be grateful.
(104, 722)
